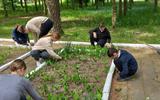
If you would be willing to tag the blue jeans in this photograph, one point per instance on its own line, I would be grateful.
(36, 54)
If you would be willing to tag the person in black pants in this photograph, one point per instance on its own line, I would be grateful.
(101, 35)
(124, 62)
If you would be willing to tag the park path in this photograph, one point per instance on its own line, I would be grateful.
(146, 84)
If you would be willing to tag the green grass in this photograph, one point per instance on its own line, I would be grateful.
(76, 23)
(8, 54)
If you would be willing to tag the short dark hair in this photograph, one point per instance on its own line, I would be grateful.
(17, 64)
(21, 28)
(111, 51)
(101, 24)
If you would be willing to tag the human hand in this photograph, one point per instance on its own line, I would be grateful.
(94, 35)
(29, 45)
(109, 45)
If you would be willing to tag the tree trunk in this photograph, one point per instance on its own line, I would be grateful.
(54, 11)
(80, 3)
(113, 14)
(67, 3)
(96, 3)
(130, 4)
(13, 7)
(155, 5)
(120, 8)
(45, 11)
(73, 4)
(92, 3)
(125, 7)
(26, 7)
(35, 3)
(61, 2)
(5, 8)
(39, 3)
(103, 1)
(21, 2)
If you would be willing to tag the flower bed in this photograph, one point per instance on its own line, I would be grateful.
(80, 75)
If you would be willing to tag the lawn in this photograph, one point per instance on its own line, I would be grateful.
(141, 25)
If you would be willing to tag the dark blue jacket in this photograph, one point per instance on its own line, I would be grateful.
(20, 38)
(102, 35)
(126, 64)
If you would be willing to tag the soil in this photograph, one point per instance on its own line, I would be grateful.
(93, 70)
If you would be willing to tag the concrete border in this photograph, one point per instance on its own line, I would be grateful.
(108, 82)
(5, 66)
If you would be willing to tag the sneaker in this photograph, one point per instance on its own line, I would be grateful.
(41, 60)
(123, 79)
(38, 63)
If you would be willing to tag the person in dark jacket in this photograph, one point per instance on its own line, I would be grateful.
(19, 35)
(101, 35)
(124, 62)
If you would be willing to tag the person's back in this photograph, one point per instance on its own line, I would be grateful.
(35, 21)
(39, 26)
(11, 87)
(126, 56)
(127, 63)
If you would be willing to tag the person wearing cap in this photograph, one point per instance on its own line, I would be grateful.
(14, 86)
(19, 35)
(100, 35)
(39, 26)
(124, 62)
(42, 50)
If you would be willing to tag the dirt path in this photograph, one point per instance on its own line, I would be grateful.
(146, 84)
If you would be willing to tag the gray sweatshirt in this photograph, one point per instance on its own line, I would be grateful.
(14, 87)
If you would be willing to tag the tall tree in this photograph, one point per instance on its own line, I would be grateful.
(80, 3)
(120, 8)
(130, 3)
(35, 3)
(125, 7)
(21, 2)
(44, 7)
(12, 3)
(96, 3)
(113, 14)
(5, 8)
(54, 11)
(155, 5)
(26, 7)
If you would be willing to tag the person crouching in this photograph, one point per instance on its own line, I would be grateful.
(124, 62)
(42, 50)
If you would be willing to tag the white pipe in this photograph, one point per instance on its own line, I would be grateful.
(3, 67)
(14, 46)
(10, 40)
(35, 70)
(88, 43)
(115, 44)
(108, 82)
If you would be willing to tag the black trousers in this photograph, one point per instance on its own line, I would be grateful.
(45, 27)
(100, 42)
